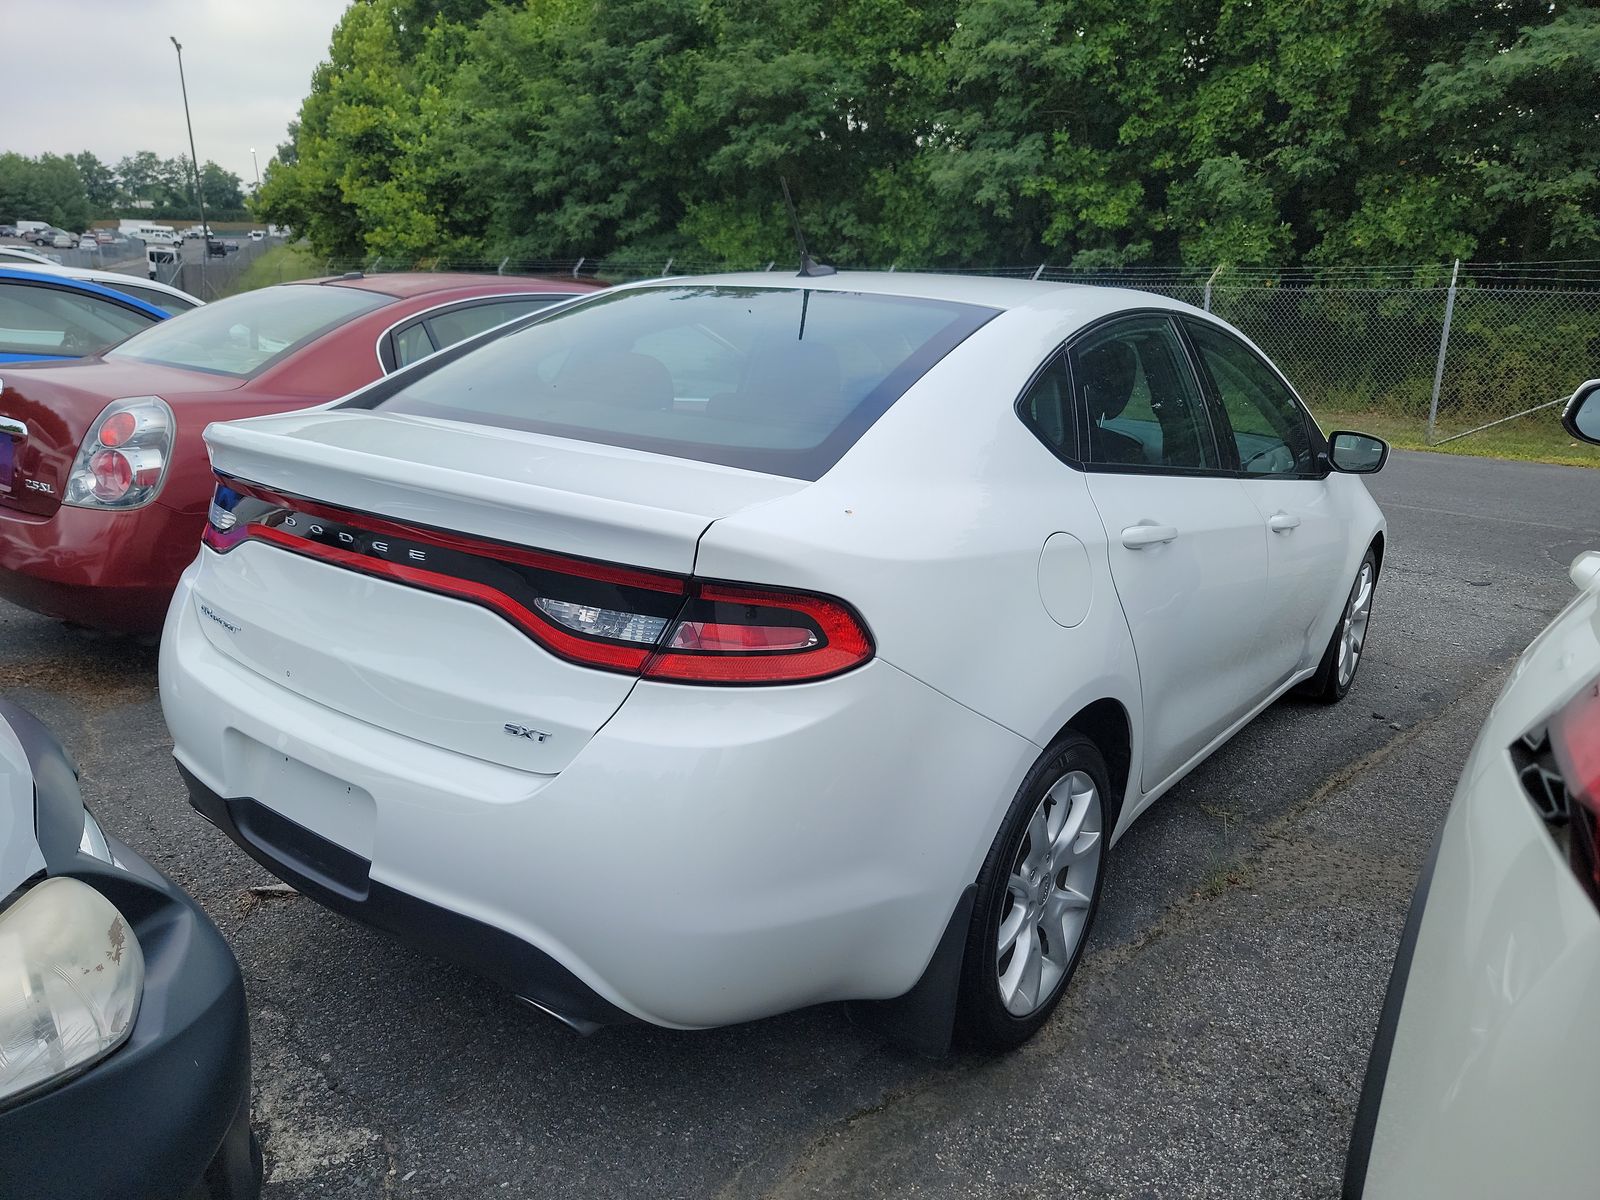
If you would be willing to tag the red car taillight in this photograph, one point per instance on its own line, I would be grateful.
(616, 618)
(1575, 743)
(125, 456)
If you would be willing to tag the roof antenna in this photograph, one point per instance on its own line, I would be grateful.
(809, 267)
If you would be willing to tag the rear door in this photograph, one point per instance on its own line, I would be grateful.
(1188, 552)
(1265, 434)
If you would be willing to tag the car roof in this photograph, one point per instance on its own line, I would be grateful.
(111, 279)
(23, 275)
(988, 291)
(404, 284)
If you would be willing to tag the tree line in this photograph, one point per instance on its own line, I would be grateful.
(1094, 133)
(69, 191)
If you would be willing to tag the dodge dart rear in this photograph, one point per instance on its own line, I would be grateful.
(708, 649)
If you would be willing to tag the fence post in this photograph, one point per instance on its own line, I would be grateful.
(667, 270)
(1444, 345)
(501, 269)
(1039, 272)
(1212, 278)
(769, 265)
(579, 267)
(375, 264)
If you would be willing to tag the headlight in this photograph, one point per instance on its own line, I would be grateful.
(71, 973)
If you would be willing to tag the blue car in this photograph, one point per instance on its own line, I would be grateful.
(45, 317)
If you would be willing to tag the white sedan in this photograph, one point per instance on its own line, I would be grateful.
(716, 647)
(1485, 1073)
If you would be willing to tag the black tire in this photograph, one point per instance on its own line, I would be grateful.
(1325, 686)
(982, 1019)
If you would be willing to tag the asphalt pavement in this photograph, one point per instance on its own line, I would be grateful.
(1212, 1043)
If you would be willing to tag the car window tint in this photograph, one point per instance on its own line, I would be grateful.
(165, 301)
(37, 319)
(1048, 408)
(780, 380)
(451, 327)
(1143, 405)
(245, 334)
(412, 343)
(1269, 426)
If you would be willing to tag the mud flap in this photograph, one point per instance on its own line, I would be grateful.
(924, 1019)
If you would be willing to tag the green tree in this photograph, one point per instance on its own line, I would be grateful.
(99, 182)
(47, 188)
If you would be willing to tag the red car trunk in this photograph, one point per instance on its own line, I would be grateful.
(58, 407)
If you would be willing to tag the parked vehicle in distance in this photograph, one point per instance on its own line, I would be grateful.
(229, 244)
(168, 299)
(848, 619)
(45, 236)
(258, 235)
(215, 248)
(109, 489)
(10, 254)
(106, 237)
(24, 228)
(161, 260)
(149, 232)
(1484, 1071)
(48, 316)
(118, 989)
(8, 231)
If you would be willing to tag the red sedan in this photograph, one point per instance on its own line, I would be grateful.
(104, 479)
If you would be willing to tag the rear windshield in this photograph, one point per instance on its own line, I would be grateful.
(769, 379)
(245, 334)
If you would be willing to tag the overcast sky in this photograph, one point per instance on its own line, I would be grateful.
(100, 75)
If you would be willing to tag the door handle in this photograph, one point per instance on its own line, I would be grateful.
(1283, 522)
(1137, 537)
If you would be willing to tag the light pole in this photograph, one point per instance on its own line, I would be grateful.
(257, 166)
(194, 161)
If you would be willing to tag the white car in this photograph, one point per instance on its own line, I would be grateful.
(164, 296)
(11, 256)
(716, 647)
(1485, 1074)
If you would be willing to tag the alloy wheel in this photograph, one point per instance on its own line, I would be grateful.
(1048, 894)
(1353, 634)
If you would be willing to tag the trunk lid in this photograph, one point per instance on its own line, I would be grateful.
(46, 409)
(431, 667)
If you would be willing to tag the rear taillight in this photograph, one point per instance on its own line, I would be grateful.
(1575, 744)
(616, 618)
(124, 457)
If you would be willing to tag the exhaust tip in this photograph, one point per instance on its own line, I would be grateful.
(579, 1025)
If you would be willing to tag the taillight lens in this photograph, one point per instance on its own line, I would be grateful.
(1575, 744)
(125, 456)
(616, 618)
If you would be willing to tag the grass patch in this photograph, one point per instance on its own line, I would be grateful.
(1534, 438)
(278, 265)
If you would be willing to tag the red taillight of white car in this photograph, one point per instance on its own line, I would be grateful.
(124, 457)
(616, 618)
(1575, 744)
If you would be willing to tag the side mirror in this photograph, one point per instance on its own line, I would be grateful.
(1356, 453)
(1581, 418)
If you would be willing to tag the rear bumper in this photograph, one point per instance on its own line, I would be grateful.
(107, 570)
(709, 856)
(167, 1114)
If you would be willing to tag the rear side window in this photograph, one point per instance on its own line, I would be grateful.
(39, 319)
(776, 380)
(448, 328)
(1142, 403)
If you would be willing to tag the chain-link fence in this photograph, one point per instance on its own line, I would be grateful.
(1431, 352)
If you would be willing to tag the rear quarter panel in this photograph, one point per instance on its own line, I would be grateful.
(933, 527)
